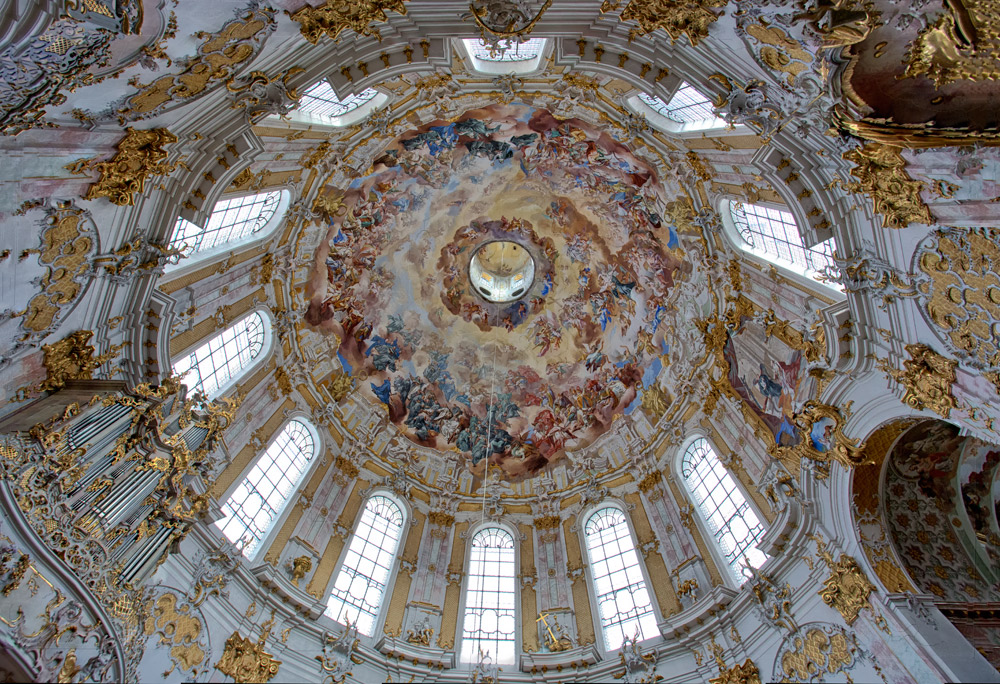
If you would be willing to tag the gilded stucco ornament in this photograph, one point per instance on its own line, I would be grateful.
(71, 358)
(246, 661)
(927, 378)
(818, 651)
(260, 95)
(823, 439)
(299, 567)
(336, 15)
(219, 58)
(881, 173)
(958, 269)
(505, 23)
(963, 44)
(177, 627)
(677, 18)
(847, 588)
(140, 155)
(655, 402)
(339, 653)
(740, 673)
(637, 667)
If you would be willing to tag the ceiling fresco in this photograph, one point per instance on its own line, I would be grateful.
(390, 287)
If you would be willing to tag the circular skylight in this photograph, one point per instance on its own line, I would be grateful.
(501, 271)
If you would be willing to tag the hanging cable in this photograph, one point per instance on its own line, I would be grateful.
(493, 382)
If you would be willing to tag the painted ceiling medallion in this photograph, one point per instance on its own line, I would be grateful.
(391, 285)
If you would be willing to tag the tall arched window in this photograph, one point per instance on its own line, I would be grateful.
(360, 587)
(215, 365)
(773, 235)
(490, 598)
(259, 499)
(734, 524)
(622, 597)
(232, 220)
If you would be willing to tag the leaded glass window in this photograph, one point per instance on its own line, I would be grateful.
(320, 100)
(232, 220)
(258, 500)
(211, 367)
(686, 106)
(515, 52)
(734, 524)
(360, 586)
(490, 598)
(773, 234)
(622, 597)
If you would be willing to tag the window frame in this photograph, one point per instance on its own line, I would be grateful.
(732, 235)
(682, 130)
(390, 582)
(267, 348)
(460, 625)
(595, 610)
(519, 68)
(714, 548)
(299, 119)
(201, 259)
(279, 519)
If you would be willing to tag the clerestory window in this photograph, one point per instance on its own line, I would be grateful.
(733, 523)
(490, 598)
(258, 500)
(688, 109)
(360, 587)
(233, 220)
(215, 365)
(320, 100)
(623, 599)
(772, 234)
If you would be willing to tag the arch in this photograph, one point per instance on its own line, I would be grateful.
(215, 366)
(367, 565)
(234, 221)
(621, 590)
(732, 521)
(490, 598)
(256, 503)
(771, 233)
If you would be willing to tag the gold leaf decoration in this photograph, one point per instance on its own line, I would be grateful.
(140, 155)
(818, 653)
(655, 402)
(247, 662)
(847, 588)
(71, 358)
(964, 294)
(340, 385)
(747, 673)
(881, 173)
(927, 377)
(336, 15)
(176, 628)
(676, 17)
(217, 60)
(962, 45)
(547, 522)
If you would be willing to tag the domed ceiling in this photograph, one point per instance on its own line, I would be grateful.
(391, 285)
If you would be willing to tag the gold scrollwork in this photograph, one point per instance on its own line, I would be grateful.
(178, 629)
(218, 58)
(963, 294)
(822, 440)
(881, 173)
(745, 673)
(655, 402)
(247, 662)
(847, 588)
(927, 378)
(962, 45)
(676, 17)
(336, 15)
(140, 155)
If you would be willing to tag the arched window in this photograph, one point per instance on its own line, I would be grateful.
(688, 108)
(258, 500)
(734, 524)
(773, 235)
(232, 220)
(320, 100)
(360, 587)
(622, 597)
(215, 365)
(490, 598)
